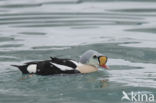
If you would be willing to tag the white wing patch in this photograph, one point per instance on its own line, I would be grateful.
(32, 68)
(76, 63)
(62, 67)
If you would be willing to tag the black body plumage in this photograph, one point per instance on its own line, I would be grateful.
(49, 67)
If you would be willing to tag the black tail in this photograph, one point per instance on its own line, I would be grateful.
(16, 66)
(23, 69)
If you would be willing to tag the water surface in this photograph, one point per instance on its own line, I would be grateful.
(123, 30)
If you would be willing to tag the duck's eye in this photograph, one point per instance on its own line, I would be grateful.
(94, 56)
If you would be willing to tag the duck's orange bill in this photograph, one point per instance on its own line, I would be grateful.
(105, 66)
(102, 62)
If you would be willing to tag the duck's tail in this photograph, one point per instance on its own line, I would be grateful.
(21, 68)
(16, 66)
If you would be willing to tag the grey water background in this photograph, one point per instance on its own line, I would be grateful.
(123, 30)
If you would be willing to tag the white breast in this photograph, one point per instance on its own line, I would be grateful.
(62, 67)
(32, 68)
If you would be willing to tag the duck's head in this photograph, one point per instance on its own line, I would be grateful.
(98, 61)
(94, 58)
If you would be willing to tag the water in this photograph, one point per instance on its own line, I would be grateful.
(123, 30)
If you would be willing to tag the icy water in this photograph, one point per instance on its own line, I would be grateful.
(123, 30)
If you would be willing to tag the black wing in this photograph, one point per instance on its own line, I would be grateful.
(66, 62)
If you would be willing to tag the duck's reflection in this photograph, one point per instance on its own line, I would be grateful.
(104, 83)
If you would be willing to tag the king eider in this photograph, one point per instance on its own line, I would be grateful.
(89, 62)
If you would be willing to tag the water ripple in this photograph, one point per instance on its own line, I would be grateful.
(123, 30)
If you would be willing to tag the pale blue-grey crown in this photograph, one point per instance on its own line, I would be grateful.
(86, 56)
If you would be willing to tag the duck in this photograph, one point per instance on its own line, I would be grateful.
(89, 62)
